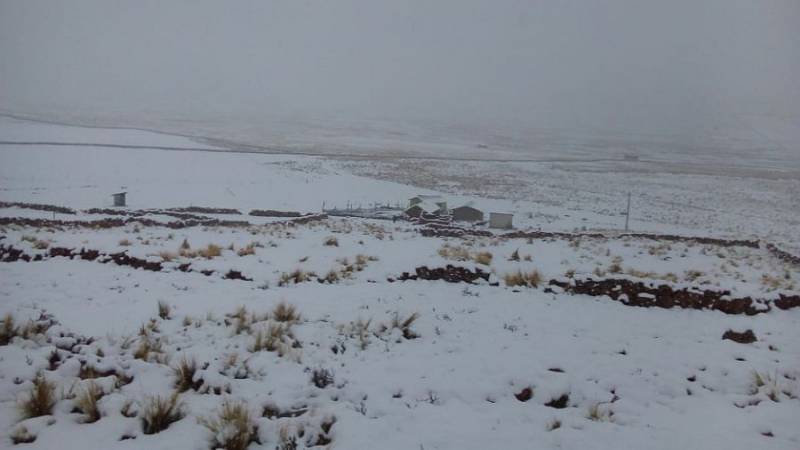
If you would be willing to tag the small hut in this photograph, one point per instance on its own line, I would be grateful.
(501, 220)
(119, 198)
(467, 213)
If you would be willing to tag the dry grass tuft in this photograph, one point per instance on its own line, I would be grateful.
(403, 325)
(519, 278)
(598, 414)
(298, 276)
(331, 241)
(233, 428)
(124, 243)
(86, 402)
(184, 374)
(40, 400)
(164, 310)
(160, 412)
(271, 340)
(8, 330)
(554, 425)
(167, 256)
(211, 251)
(149, 348)
(284, 312)
(21, 435)
(249, 249)
(41, 244)
(484, 258)
(457, 253)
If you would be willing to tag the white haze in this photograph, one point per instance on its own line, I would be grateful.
(678, 67)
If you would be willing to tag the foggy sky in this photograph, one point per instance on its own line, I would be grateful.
(665, 66)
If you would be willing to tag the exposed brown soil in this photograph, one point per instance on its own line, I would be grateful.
(274, 213)
(782, 255)
(635, 293)
(433, 230)
(9, 253)
(743, 337)
(38, 207)
(627, 292)
(450, 273)
(524, 395)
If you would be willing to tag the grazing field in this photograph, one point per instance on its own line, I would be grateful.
(180, 324)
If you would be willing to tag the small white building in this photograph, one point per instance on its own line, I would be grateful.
(501, 220)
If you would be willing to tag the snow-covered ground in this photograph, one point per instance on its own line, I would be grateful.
(601, 374)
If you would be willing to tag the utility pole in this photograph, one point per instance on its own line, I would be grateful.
(628, 212)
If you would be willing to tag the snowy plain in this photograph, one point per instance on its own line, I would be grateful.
(632, 377)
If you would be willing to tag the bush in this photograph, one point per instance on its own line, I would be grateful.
(40, 399)
(160, 412)
(331, 242)
(233, 428)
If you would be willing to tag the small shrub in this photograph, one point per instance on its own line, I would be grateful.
(554, 425)
(164, 310)
(160, 412)
(124, 243)
(40, 400)
(184, 374)
(514, 256)
(284, 312)
(331, 241)
(233, 428)
(86, 402)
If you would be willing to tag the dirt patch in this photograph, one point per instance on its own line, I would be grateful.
(782, 255)
(433, 230)
(449, 273)
(274, 213)
(744, 337)
(38, 207)
(633, 293)
(10, 254)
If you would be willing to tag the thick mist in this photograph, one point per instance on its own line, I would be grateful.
(676, 67)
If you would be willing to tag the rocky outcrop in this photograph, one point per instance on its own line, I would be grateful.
(635, 293)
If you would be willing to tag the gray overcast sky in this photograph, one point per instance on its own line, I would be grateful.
(664, 66)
